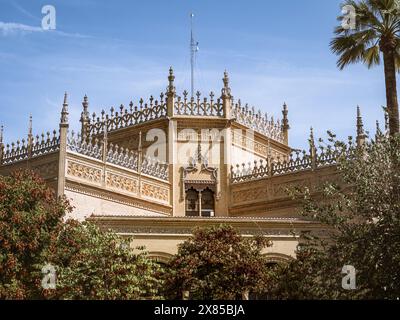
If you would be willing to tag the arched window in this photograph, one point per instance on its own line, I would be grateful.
(192, 203)
(207, 203)
(200, 203)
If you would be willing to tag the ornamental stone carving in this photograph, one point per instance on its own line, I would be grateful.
(84, 172)
(250, 195)
(249, 144)
(155, 192)
(122, 183)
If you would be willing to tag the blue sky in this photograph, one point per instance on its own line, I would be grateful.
(117, 51)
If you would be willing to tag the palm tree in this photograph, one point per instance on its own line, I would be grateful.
(376, 31)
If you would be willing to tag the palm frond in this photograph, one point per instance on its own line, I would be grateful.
(351, 55)
(372, 56)
(375, 20)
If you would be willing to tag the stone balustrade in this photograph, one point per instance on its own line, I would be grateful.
(117, 155)
(33, 146)
(153, 110)
(251, 119)
(297, 161)
(197, 106)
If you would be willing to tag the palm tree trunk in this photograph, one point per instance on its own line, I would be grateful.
(391, 91)
(393, 110)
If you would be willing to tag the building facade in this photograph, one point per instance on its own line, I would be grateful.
(156, 170)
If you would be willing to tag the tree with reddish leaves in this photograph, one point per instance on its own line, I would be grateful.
(218, 263)
(30, 213)
(85, 262)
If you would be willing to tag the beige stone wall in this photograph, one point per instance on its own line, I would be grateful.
(255, 146)
(105, 189)
(284, 247)
(268, 197)
(161, 236)
(46, 166)
(86, 205)
(209, 133)
(163, 245)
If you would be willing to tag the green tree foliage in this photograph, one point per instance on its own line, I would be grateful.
(97, 265)
(89, 263)
(376, 31)
(217, 263)
(362, 214)
(29, 214)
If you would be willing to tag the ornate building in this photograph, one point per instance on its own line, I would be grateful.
(157, 169)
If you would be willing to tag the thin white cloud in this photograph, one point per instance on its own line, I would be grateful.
(8, 28)
(12, 28)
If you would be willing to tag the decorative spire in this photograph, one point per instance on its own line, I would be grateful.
(30, 136)
(64, 111)
(285, 122)
(226, 79)
(313, 149)
(30, 131)
(30, 125)
(171, 79)
(85, 117)
(360, 128)
(360, 124)
(312, 140)
(85, 105)
(378, 129)
(226, 91)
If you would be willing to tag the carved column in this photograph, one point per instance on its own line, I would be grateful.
(270, 160)
(225, 164)
(172, 149)
(176, 174)
(200, 209)
(140, 163)
(224, 175)
(63, 147)
(105, 151)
